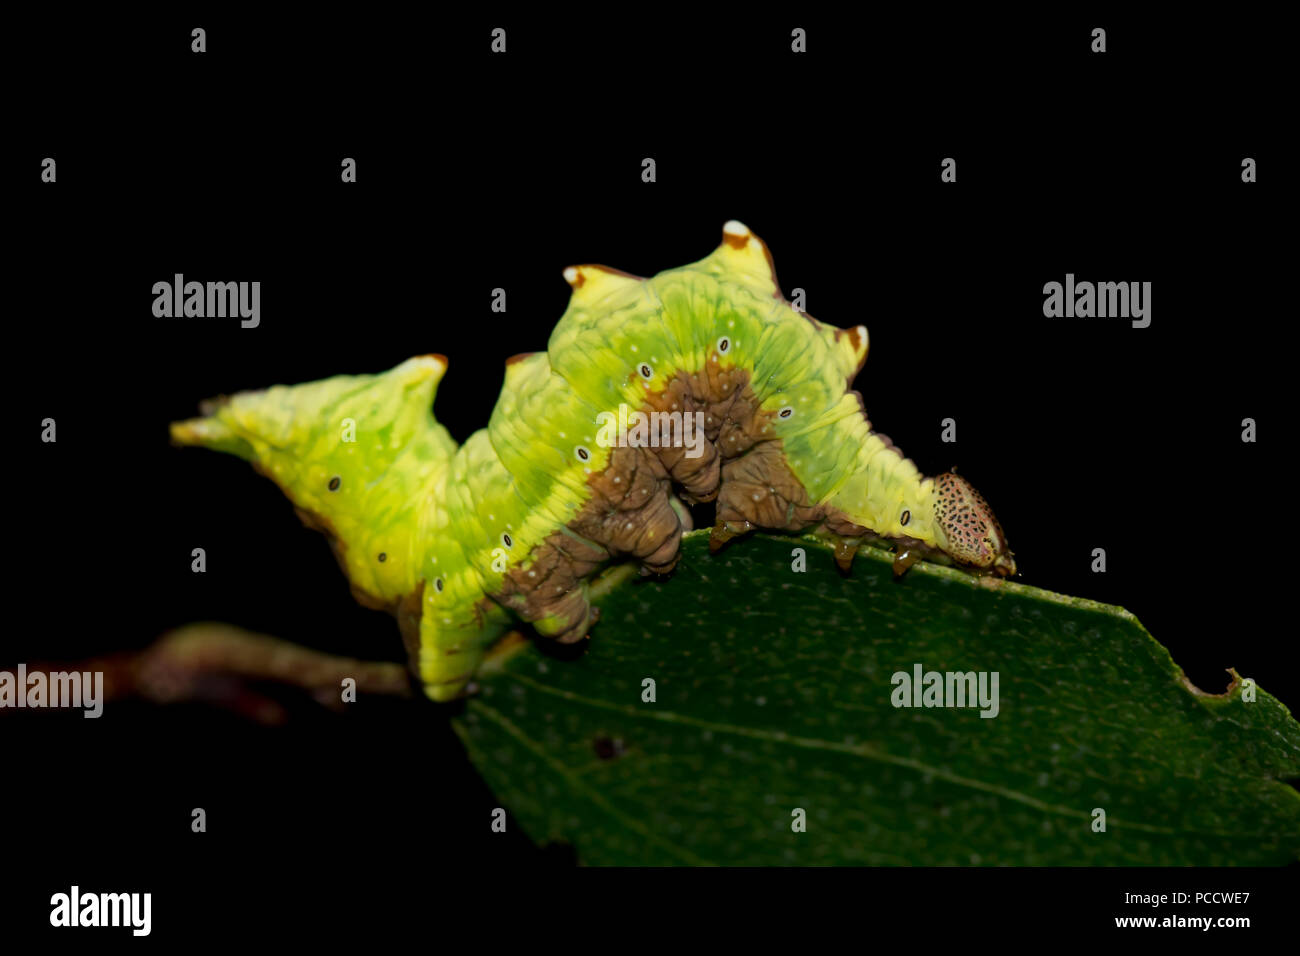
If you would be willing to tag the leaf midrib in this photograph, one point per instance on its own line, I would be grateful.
(865, 751)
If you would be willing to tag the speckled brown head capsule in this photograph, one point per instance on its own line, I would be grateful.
(965, 527)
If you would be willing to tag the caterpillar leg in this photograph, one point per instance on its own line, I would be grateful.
(759, 491)
(724, 531)
(551, 592)
(633, 512)
(904, 558)
(448, 659)
(845, 551)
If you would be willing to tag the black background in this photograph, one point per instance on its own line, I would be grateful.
(478, 171)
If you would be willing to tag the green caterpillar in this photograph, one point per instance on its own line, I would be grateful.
(580, 461)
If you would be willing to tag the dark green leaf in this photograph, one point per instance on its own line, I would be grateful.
(774, 693)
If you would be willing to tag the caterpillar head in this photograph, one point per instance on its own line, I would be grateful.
(965, 528)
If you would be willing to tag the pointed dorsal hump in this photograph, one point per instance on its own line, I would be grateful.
(593, 284)
(525, 367)
(360, 457)
(299, 421)
(851, 348)
(743, 258)
(419, 377)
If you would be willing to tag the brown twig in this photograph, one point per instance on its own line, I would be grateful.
(218, 663)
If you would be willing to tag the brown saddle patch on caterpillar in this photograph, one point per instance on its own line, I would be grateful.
(630, 513)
